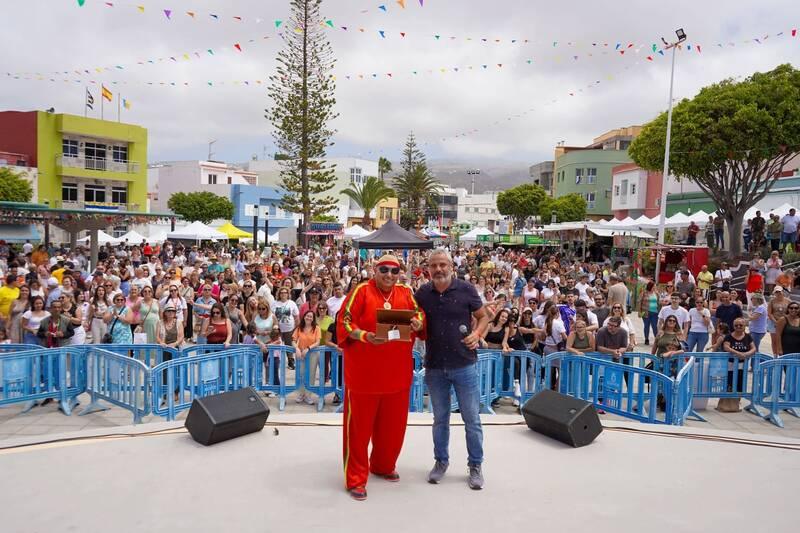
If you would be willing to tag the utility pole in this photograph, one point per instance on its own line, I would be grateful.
(473, 173)
(663, 207)
(210, 153)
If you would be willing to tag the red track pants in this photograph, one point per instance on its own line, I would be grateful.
(381, 418)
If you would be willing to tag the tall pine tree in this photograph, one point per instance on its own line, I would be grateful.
(302, 93)
(416, 188)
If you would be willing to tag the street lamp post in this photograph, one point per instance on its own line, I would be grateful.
(473, 173)
(663, 207)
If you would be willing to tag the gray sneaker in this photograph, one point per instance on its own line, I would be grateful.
(475, 477)
(437, 472)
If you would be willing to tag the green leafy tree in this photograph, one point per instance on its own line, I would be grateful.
(14, 187)
(384, 167)
(302, 93)
(733, 140)
(521, 202)
(415, 187)
(568, 208)
(325, 218)
(368, 196)
(204, 206)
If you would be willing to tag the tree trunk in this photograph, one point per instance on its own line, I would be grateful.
(734, 223)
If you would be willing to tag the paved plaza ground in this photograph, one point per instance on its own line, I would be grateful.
(49, 420)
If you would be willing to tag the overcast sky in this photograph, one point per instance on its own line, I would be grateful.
(376, 114)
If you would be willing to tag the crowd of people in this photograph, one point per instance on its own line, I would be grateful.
(174, 295)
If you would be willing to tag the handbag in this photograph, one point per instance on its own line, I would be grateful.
(108, 338)
(139, 335)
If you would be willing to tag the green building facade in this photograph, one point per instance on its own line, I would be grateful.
(588, 173)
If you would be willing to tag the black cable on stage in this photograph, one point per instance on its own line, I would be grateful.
(650, 432)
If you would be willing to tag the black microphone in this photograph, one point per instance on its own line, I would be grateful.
(463, 330)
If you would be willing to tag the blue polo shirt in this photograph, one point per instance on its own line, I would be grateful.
(445, 312)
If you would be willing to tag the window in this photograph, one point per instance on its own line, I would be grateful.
(590, 197)
(230, 180)
(69, 147)
(69, 192)
(591, 175)
(120, 154)
(119, 231)
(616, 190)
(212, 179)
(95, 156)
(94, 193)
(633, 189)
(624, 190)
(119, 195)
(623, 145)
(578, 176)
(355, 175)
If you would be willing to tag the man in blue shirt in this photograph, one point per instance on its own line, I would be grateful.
(451, 361)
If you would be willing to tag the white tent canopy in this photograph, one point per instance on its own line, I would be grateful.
(197, 231)
(157, 237)
(355, 232)
(273, 237)
(474, 233)
(102, 238)
(133, 237)
(781, 210)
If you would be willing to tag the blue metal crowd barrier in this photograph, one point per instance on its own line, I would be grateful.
(266, 367)
(327, 358)
(524, 366)
(777, 387)
(149, 354)
(416, 399)
(118, 379)
(43, 373)
(9, 348)
(176, 383)
(623, 389)
(720, 375)
(683, 393)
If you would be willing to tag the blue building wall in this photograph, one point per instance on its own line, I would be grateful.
(242, 195)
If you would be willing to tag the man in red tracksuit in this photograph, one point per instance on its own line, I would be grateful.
(377, 378)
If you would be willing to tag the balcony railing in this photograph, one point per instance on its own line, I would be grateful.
(99, 206)
(94, 163)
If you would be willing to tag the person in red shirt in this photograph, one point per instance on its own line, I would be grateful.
(755, 283)
(377, 378)
(147, 251)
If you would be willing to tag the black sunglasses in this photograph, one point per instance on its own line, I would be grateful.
(385, 270)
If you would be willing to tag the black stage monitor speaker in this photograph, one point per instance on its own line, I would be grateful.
(570, 420)
(226, 416)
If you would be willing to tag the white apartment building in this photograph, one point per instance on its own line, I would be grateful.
(347, 170)
(166, 178)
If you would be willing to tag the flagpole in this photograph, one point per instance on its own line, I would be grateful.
(119, 99)
(102, 104)
(85, 101)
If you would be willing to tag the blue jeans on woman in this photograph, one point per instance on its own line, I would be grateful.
(757, 336)
(650, 322)
(466, 383)
(697, 341)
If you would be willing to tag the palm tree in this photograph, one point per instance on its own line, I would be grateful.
(368, 196)
(417, 190)
(384, 167)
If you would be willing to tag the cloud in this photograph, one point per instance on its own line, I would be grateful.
(377, 114)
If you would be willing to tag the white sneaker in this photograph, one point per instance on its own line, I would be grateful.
(516, 402)
(310, 400)
(271, 394)
(300, 399)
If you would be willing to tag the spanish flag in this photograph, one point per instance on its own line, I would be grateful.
(106, 93)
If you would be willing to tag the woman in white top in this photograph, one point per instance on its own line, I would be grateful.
(98, 306)
(31, 320)
(699, 322)
(625, 324)
(529, 292)
(174, 299)
(774, 264)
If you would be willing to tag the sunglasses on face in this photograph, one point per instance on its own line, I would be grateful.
(386, 270)
(793, 308)
(262, 308)
(216, 313)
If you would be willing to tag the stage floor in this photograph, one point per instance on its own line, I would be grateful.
(293, 482)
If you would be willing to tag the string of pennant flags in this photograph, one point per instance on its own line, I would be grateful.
(653, 53)
(170, 14)
(595, 49)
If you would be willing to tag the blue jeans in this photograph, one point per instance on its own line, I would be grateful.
(650, 322)
(466, 384)
(757, 339)
(697, 341)
(720, 237)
